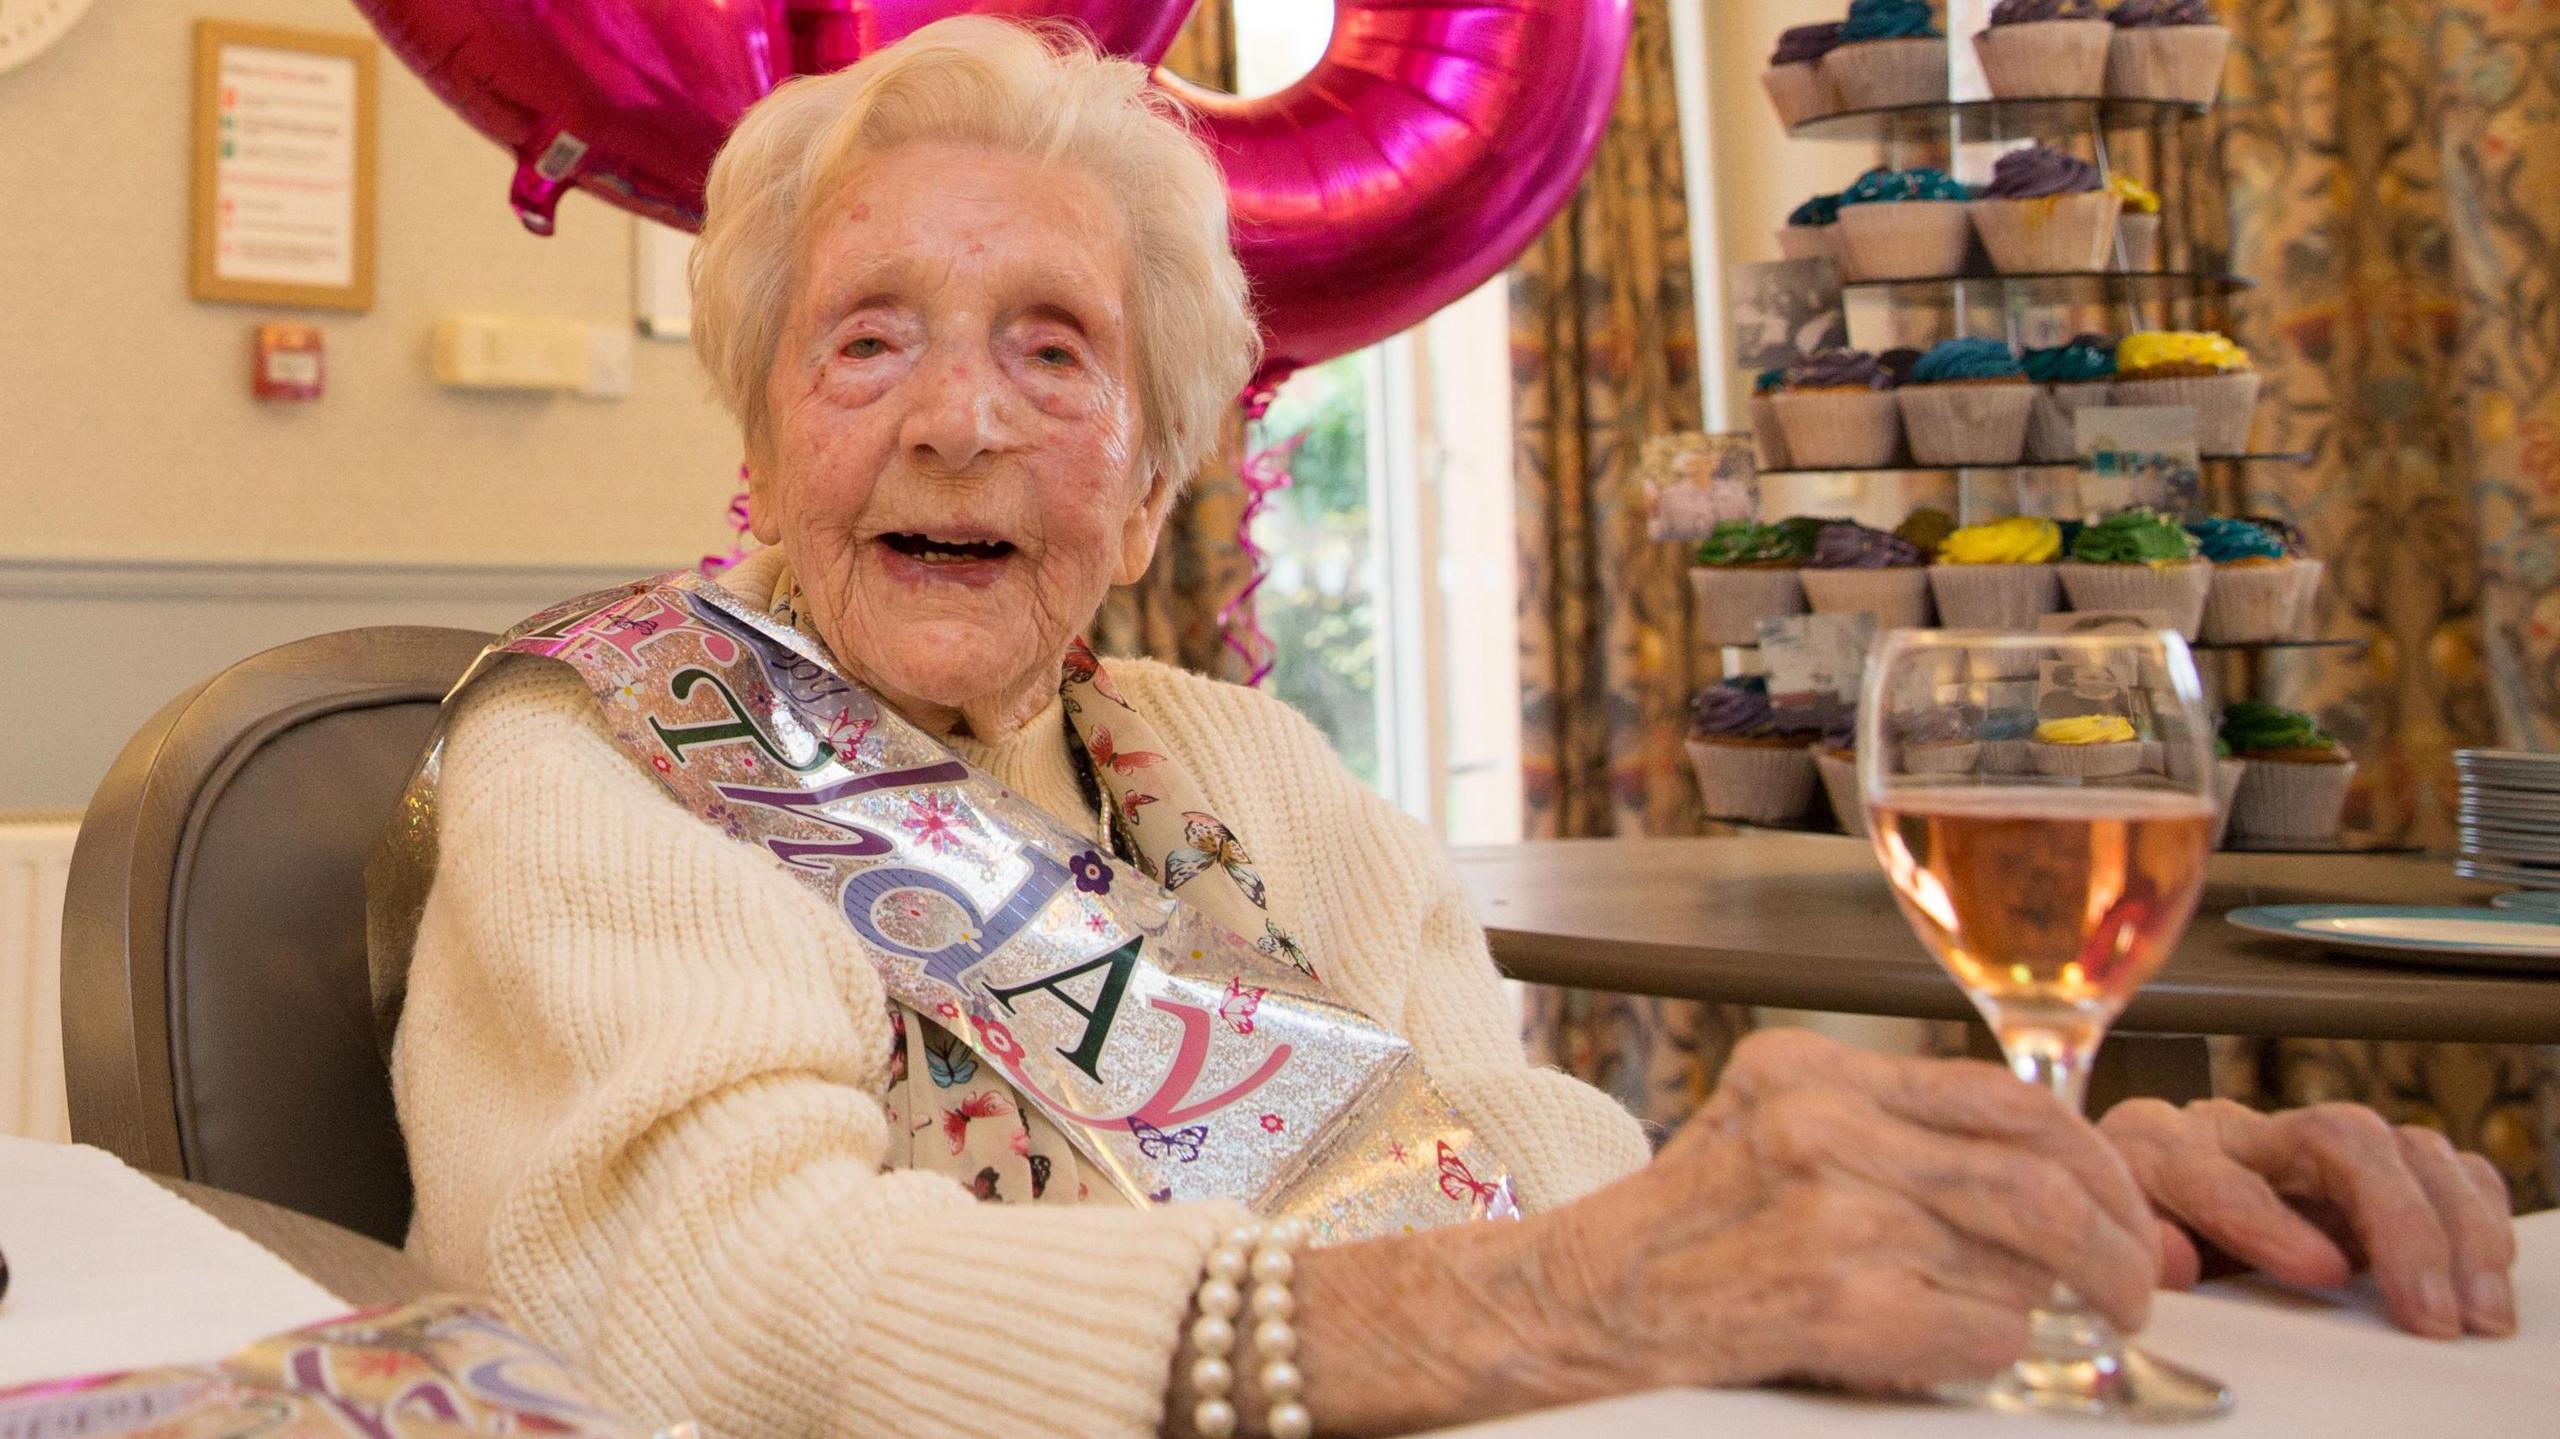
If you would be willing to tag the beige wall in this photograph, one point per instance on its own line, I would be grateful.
(126, 424)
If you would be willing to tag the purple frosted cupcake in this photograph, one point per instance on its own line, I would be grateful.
(1794, 79)
(2045, 48)
(2046, 211)
(1854, 569)
(1753, 763)
(2166, 50)
(1940, 741)
(1837, 413)
(1835, 761)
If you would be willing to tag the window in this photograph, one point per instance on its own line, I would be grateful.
(1390, 598)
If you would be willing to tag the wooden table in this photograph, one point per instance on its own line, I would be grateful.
(1800, 921)
(364, 1272)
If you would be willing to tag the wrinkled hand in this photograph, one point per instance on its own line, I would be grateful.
(2308, 1194)
(1852, 1219)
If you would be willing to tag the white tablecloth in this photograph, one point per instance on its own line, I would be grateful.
(2300, 1367)
(107, 1270)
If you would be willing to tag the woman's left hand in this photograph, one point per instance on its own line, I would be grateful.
(2307, 1194)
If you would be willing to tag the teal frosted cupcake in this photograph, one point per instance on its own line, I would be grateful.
(1966, 403)
(1890, 52)
(1903, 225)
(2067, 377)
(1812, 230)
(2256, 594)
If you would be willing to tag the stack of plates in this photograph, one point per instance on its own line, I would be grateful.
(2509, 822)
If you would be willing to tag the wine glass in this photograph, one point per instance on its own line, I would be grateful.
(2043, 805)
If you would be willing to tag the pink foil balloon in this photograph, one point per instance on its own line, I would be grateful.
(1420, 156)
(1431, 143)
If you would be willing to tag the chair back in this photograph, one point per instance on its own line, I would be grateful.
(216, 1013)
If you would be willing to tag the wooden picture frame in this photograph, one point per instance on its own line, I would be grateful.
(281, 237)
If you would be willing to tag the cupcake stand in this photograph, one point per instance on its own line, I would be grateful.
(2169, 145)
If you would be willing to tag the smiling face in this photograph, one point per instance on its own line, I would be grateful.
(952, 458)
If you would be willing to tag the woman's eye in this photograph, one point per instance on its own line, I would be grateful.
(866, 347)
(1056, 356)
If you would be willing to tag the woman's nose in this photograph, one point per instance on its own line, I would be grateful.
(962, 416)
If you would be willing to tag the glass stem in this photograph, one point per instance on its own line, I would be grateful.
(2058, 1060)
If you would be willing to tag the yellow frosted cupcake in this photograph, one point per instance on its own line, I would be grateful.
(2086, 746)
(2138, 226)
(2191, 367)
(1998, 576)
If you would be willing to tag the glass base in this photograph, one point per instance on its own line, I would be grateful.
(2080, 1366)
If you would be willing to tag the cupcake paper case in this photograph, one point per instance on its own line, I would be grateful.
(1835, 412)
(1812, 230)
(1766, 435)
(2139, 560)
(1998, 576)
(2166, 50)
(1903, 225)
(2045, 48)
(1890, 53)
(2138, 226)
(2197, 368)
(2295, 788)
(2255, 594)
(2046, 211)
(2067, 377)
(2086, 746)
(1750, 765)
(1794, 80)
(1854, 569)
(1746, 572)
(1967, 403)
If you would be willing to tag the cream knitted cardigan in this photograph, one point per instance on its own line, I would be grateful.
(640, 1075)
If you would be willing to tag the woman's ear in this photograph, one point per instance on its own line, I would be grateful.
(1139, 531)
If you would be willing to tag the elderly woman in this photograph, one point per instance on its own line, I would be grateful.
(973, 305)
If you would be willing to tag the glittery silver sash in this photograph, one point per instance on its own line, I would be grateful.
(1106, 1001)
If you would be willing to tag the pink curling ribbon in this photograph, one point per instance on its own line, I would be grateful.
(739, 524)
(1265, 472)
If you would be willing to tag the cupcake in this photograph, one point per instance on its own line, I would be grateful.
(2166, 50)
(1768, 439)
(1966, 403)
(2007, 735)
(1889, 53)
(1750, 766)
(1835, 761)
(2139, 559)
(1999, 576)
(2086, 747)
(2255, 594)
(2191, 367)
(2046, 211)
(1836, 413)
(1746, 572)
(2067, 377)
(1812, 231)
(2307, 569)
(2228, 771)
(2295, 787)
(2044, 48)
(2138, 225)
(1855, 569)
(1794, 78)
(1927, 528)
(1903, 225)
(1938, 741)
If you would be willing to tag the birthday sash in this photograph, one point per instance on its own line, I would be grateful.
(1107, 1001)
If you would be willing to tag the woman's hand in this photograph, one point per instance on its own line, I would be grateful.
(1830, 1215)
(2307, 1194)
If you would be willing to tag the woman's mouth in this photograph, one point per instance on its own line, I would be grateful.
(920, 557)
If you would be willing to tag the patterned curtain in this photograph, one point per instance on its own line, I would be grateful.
(1172, 613)
(2395, 176)
(1604, 354)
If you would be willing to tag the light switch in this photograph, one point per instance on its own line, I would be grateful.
(508, 352)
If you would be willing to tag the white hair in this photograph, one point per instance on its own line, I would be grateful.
(1033, 90)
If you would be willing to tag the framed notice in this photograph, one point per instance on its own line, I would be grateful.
(283, 199)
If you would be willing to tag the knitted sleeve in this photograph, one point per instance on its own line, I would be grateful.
(640, 1075)
(1372, 896)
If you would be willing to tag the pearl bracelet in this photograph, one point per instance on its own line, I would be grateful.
(1259, 1251)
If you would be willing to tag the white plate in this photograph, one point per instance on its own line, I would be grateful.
(2528, 899)
(2470, 935)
